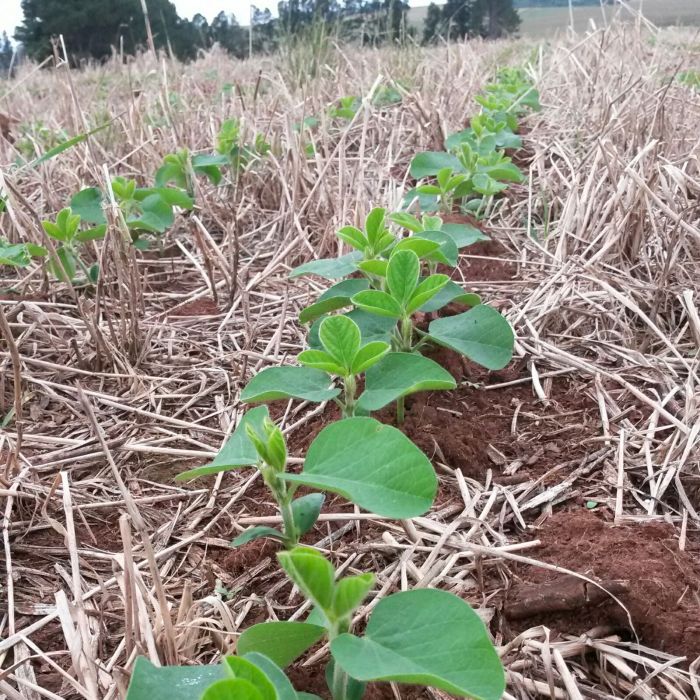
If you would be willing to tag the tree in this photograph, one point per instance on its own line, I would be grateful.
(6, 53)
(90, 28)
(496, 18)
(433, 20)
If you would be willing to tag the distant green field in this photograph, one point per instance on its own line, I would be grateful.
(541, 22)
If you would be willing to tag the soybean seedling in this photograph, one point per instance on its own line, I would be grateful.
(389, 475)
(146, 210)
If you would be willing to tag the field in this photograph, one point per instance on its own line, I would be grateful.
(545, 22)
(566, 511)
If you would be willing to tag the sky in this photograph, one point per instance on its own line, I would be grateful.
(11, 12)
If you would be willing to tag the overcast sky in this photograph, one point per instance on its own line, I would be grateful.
(11, 12)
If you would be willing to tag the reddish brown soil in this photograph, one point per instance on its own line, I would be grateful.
(661, 583)
(197, 307)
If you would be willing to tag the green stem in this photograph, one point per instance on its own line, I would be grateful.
(400, 409)
(339, 682)
(406, 334)
(291, 536)
(349, 391)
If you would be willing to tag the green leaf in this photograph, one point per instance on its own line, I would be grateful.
(256, 533)
(305, 511)
(447, 252)
(170, 172)
(481, 334)
(63, 265)
(371, 464)
(14, 254)
(238, 451)
(332, 299)
(422, 247)
(157, 215)
(425, 637)
(232, 689)
(402, 275)
(242, 669)
(283, 688)
(407, 221)
(374, 225)
(464, 234)
(149, 682)
(88, 203)
(340, 336)
(350, 592)
(369, 355)
(320, 308)
(374, 267)
(329, 268)
(353, 690)
(289, 382)
(311, 572)
(425, 291)
(400, 374)
(380, 303)
(320, 359)
(170, 195)
(372, 327)
(353, 237)
(430, 163)
(92, 234)
(281, 642)
(451, 292)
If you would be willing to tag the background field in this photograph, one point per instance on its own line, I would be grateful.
(545, 22)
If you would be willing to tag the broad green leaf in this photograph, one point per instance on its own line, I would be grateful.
(256, 533)
(232, 689)
(283, 688)
(238, 451)
(430, 163)
(402, 275)
(486, 185)
(464, 234)
(281, 642)
(149, 682)
(288, 382)
(329, 268)
(157, 215)
(425, 291)
(172, 196)
(204, 160)
(346, 288)
(425, 637)
(54, 231)
(311, 572)
(380, 303)
(14, 254)
(373, 267)
(407, 221)
(92, 234)
(451, 292)
(350, 592)
(369, 355)
(320, 359)
(353, 237)
(400, 374)
(371, 464)
(88, 203)
(305, 511)
(505, 171)
(481, 334)
(374, 225)
(170, 172)
(311, 313)
(422, 247)
(242, 669)
(447, 252)
(425, 202)
(340, 336)
(372, 327)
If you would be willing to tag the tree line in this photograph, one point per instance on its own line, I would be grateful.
(95, 29)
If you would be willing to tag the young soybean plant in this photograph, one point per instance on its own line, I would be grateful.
(424, 637)
(389, 475)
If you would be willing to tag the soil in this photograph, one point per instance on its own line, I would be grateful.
(658, 583)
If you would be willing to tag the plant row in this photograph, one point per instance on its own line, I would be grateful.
(364, 331)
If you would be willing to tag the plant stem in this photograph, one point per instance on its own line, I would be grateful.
(349, 390)
(400, 409)
(406, 334)
(339, 682)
